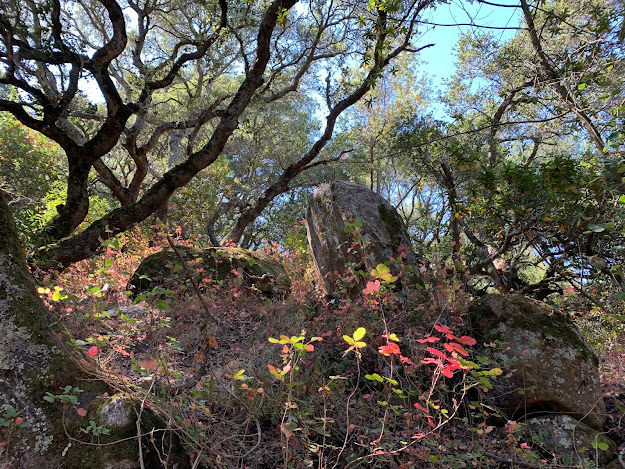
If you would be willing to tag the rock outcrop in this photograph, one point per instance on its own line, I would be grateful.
(548, 367)
(350, 229)
(233, 266)
(570, 439)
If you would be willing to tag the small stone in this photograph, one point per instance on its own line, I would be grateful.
(130, 310)
(117, 412)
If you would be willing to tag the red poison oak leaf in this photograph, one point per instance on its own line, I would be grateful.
(390, 349)
(431, 361)
(428, 339)
(420, 407)
(442, 329)
(372, 287)
(466, 340)
(454, 347)
(436, 352)
(406, 360)
(447, 371)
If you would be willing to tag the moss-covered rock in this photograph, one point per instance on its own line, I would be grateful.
(570, 439)
(253, 270)
(548, 365)
(111, 422)
(351, 228)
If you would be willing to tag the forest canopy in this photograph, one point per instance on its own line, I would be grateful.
(223, 117)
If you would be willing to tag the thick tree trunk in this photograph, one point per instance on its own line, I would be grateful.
(73, 212)
(28, 356)
(33, 363)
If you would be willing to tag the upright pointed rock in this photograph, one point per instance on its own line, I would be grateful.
(351, 229)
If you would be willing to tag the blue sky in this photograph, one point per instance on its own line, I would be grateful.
(440, 58)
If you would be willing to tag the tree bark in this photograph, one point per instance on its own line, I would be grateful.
(34, 364)
(30, 359)
(380, 61)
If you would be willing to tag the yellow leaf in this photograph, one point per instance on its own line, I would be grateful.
(359, 333)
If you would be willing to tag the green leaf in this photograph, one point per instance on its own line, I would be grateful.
(359, 333)
(485, 382)
(581, 86)
(162, 305)
(600, 445)
(382, 269)
(596, 228)
(464, 362)
(374, 377)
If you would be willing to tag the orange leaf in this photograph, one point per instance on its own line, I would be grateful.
(212, 342)
(372, 287)
(120, 349)
(80, 411)
(149, 364)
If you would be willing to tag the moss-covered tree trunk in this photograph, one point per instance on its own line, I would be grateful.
(35, 433)
(28, 353)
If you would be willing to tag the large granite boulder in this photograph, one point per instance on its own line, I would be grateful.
(548, 367)
(235, 266)
(351, 228)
